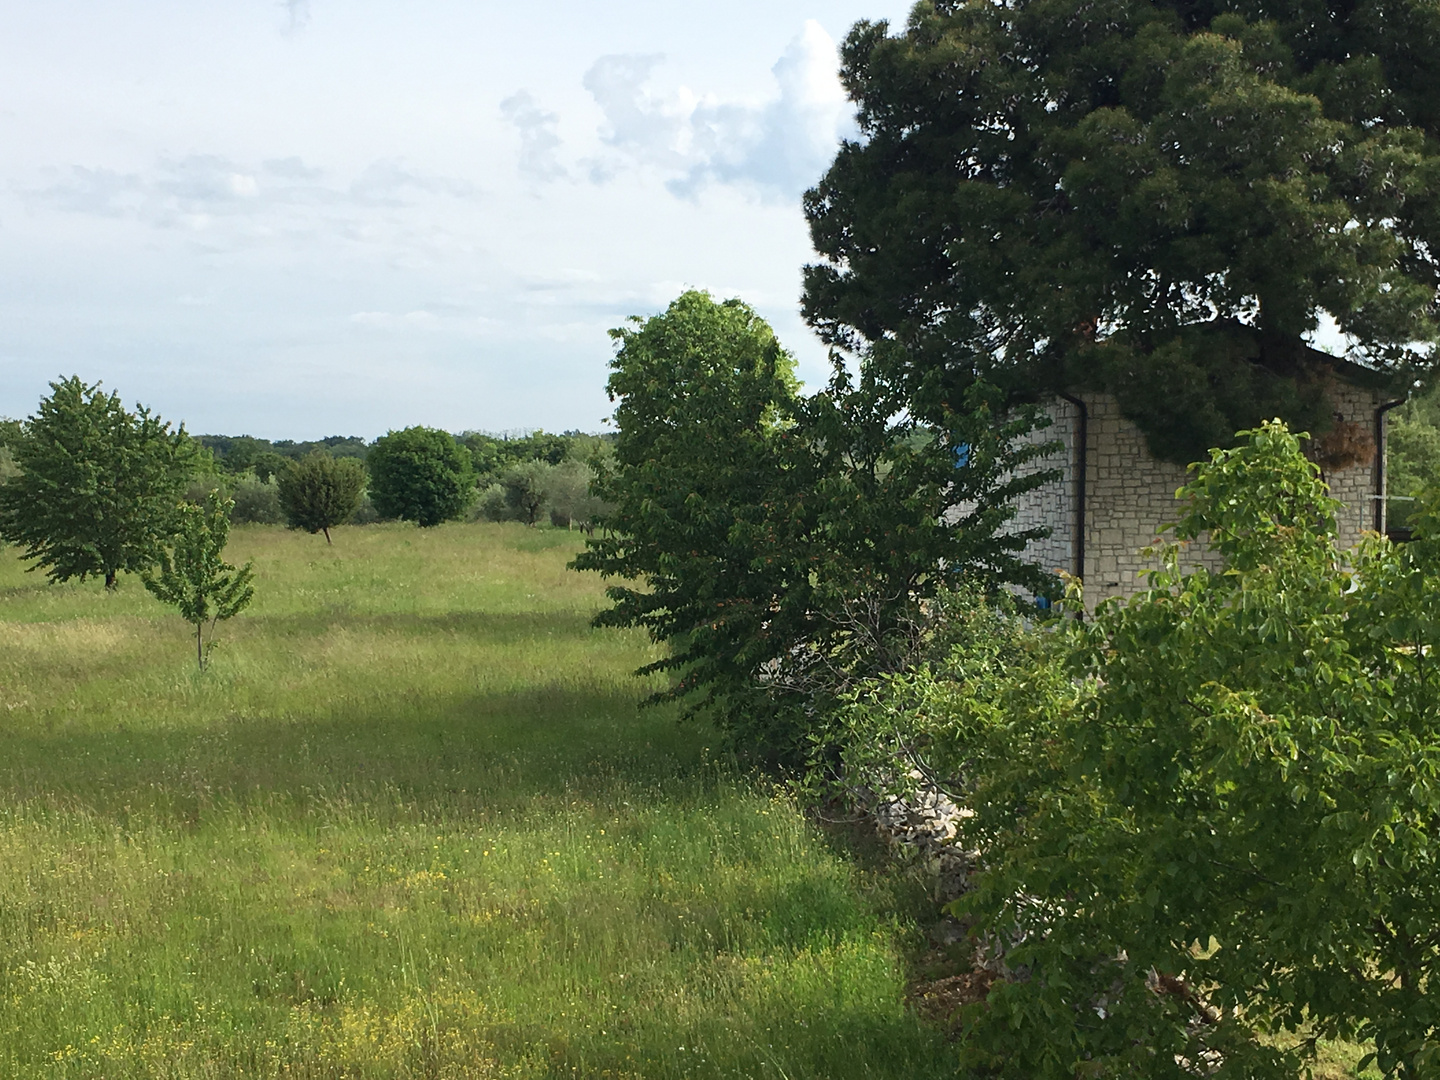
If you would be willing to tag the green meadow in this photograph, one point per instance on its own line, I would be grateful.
(410, 823)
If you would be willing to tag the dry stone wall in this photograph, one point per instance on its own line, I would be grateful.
(1130, 496)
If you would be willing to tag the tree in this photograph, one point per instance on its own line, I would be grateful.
(527, 489)
(420, 474)
(571, 502)
(1158, 198)
(194, 578)
(97, 486)
(768, 538)
(318, 492)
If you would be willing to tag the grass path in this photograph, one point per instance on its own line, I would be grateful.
(410, 824)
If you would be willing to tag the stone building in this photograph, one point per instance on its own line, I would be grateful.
(1113, 497)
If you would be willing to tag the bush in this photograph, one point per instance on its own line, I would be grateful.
(1211, 812)
(365, 512)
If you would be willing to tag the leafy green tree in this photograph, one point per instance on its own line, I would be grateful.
(194, 578)
(97, 487)
(318, 492)
(1158, 198)
(780, 544)
(1210, 812)
(420, 474)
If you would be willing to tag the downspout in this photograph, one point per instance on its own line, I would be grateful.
(1081, 467)
(1381, 480)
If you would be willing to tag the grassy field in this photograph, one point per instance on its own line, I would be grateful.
(410, 823)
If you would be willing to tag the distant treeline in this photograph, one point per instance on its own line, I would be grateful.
(491, 454)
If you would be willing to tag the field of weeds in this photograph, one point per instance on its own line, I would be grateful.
(410, 823)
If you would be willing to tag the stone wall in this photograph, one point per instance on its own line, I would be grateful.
(1130, 496)
(1053, 505)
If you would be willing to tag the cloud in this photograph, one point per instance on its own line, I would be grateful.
(297, 15)
(539, 140)
(644, 125)
(388, 183)
(386, 320)
(201, 189)
(778, 147)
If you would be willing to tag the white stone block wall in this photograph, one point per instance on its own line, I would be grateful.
(1052, 506)
(1130, 496)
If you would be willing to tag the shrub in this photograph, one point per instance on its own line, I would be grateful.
(491, 505)
(1211, 812)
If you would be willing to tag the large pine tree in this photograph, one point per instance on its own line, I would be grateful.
(1159, 198)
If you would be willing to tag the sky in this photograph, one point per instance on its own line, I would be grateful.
(304, 218)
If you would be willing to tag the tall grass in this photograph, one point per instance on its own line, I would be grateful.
(409, 824)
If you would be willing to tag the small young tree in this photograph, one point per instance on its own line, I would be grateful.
(318, 491)
(97, 485)
(420, 474)
(194, 578)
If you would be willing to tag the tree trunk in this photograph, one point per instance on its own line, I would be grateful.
(326, 530)
(199, 646)
(110, 579)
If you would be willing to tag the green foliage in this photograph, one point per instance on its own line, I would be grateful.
(1209, 812)
(493, 455)
(1152, 197)
(194, 579)
(420, 474)
(780, 544)
(269, 465)
(97, 485)
(256, 502)
(318, 491)
(236, 454)
(1412, 455)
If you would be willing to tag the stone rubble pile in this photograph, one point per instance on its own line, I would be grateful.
(925, 828)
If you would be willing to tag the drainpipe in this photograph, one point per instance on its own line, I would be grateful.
(1381, 482)
(1081, 467)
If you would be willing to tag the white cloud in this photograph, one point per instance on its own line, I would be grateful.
(282, 196)
(779, 146)
(539, 139)
(419, 319)
(297, 14)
